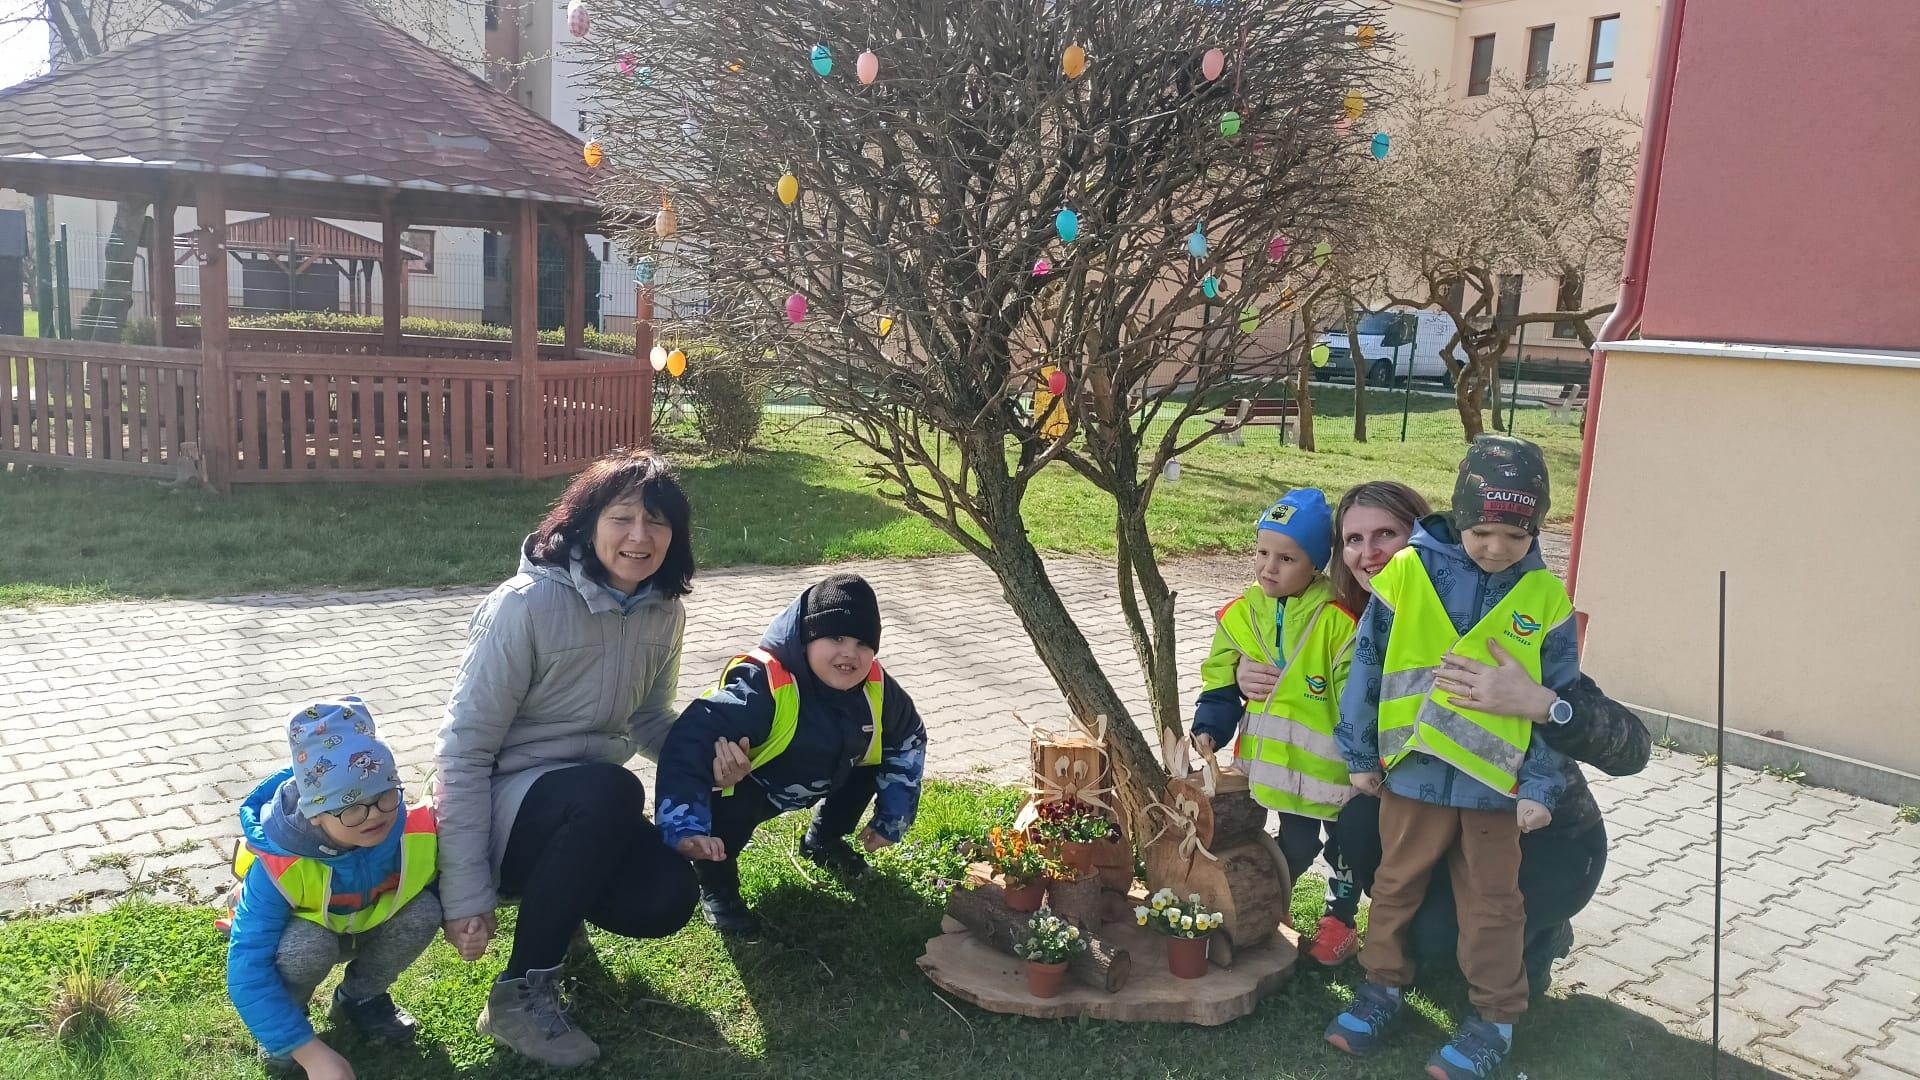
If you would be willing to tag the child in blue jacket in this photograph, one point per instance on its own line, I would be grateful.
(332, 867)
(1459, 784)
(822, 723)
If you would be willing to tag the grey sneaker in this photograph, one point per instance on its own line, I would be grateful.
(527, 1017)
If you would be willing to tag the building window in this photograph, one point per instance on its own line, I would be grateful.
(1482, 72)
(1569, 299)
(1606, 35)
(493, 14)
(1539, 55)
(586, 122)
(420, 240)
(490, 255)
(1508, 304)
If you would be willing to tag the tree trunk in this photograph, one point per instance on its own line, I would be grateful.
(105, 316)
(1466, 398)
(1359, 378)
(983, 910)
(1152, 645)
(1069, 659)
(1303, 393)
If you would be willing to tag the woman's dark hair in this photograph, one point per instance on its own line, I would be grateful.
(1404, 503)
(621, 476)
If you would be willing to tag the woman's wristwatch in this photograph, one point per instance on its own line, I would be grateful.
(1561, 711)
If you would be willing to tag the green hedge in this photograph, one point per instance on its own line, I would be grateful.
(369, 324)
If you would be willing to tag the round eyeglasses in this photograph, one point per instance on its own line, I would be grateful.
(356, 813)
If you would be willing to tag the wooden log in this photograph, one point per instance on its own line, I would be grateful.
(983, 910)
(1246, 882)
(1081, 902)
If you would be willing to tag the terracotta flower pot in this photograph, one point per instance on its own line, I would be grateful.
(1043, 980)
(1026, 897)
(1187, 957)
(1078, 857)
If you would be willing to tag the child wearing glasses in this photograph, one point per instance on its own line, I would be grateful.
(333, 867)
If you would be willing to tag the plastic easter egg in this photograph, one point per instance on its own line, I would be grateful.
(788, 189)
(592, 154)
(1197, 243)
(643, 271)
(1210, 285)
(1041, 268)
(1249, 319)
(657, 359)
(665, 222)
(796, 308)
(1322, 251)
(1286, 299)
(1321, 354)
(676, 363)
(629, 63)
(1381, 144)
(822, 61)
(1342, 125)
(1353, 105)
(1277, 248)
(1212, 64)
(1057, 383)
(886, 326)
(1073, 61)
(1229, 124)
(1067, 224)
(1365, 36)
(867, 67)
(578, 21)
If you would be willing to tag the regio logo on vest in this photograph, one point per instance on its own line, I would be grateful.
(1317, 686)
(1524, 627)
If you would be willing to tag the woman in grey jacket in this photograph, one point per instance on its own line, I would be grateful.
(571, 667)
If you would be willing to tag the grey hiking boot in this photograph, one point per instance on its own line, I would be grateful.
(527, 1017)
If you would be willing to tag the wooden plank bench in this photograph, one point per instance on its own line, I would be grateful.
(1572, 399)
(1248, 412)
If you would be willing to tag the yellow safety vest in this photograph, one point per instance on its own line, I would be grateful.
(307, 883)
(786, 707)
(1286, 745)
(1417, 715)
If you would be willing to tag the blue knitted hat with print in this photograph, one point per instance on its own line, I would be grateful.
(1303, 516)
(337, 760)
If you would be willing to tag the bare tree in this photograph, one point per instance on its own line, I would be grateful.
(979, 212)
(1529, 180)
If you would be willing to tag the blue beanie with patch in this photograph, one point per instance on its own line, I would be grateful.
(337, 759)
(1303, 516)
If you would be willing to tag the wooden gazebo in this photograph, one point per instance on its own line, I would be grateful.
(291, 247)
(302, 108)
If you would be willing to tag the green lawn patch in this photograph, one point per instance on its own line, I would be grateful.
(837, 996)
(73, 537)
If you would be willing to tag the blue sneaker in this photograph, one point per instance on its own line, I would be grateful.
(1365, 1025)
(1476, 1050)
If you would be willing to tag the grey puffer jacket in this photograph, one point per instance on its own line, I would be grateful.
(555, 674)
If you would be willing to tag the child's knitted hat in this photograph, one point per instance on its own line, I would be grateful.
(1503, 480)
(337, 760)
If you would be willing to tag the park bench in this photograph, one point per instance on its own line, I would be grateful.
(1572, 399)
(1247, 412)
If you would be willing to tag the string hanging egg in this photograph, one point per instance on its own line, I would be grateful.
(1210, 286)
(628, 63)
(796, 308)
(886, 326)
(1073, 62)
(1212, 64)
(578, 20)
(867, 67)
(1229, 124)
(1057, 383)
(1365, 36)
(788, 189)
(822, 61)
(657, 359)
(1342, 125)
(1041, 268)
(665, 222)
(1321, 354)
(1322, 251)
(1249, 319)
(1353, 104)
(1067, 224)
(643, 271)
(593, 154)
(1277, 248)
(1197, 243)
(676, 363)
(1381, 145)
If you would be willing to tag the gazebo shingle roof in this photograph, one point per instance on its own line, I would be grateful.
(296, 89)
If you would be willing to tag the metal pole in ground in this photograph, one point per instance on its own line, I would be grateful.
(1719, 811)
(1513, 396)
(62, 298)
(292, 247)
(1406, 399)
(43, 265)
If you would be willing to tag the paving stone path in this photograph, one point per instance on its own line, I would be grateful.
(128, 733)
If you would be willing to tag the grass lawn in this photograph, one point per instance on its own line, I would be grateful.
(838, 996)
(72, 537)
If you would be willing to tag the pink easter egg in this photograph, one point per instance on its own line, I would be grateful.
(1041, 268)
(1213, 63)
(577, 18)
(1057, 383)
(867, 67)
(796, 308)
(1277, 248)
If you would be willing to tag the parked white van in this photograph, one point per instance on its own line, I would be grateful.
(1394, 344)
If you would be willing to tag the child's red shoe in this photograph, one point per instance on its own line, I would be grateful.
(1333, 942)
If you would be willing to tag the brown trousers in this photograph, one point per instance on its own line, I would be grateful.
(1482, 850)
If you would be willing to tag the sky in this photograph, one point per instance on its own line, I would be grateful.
(23, 48)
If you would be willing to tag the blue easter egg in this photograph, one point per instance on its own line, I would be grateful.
(643, 272)
(1197, 243)
(1381, 144)
(822, 61)
(1067, 224)
(1211, 286)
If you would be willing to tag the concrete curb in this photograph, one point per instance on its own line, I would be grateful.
(1865, 779)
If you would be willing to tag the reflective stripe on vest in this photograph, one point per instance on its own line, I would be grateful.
(307, 884)
(1286, 745)
(786, 707)
(1417, 715)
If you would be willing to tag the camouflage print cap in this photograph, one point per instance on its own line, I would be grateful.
(1503, 480)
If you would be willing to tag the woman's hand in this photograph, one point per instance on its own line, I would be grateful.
(322, 1062)
(1503, 690)
(708, 848)
(1256, 680)
(1367, 783)
(731, 763)
(873, 841)
(1533, 816)
(469, 936)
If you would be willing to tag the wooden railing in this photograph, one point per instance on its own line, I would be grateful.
(104, 407)
(305, 416)
(590, 406)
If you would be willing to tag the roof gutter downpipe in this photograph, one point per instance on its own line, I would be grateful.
(1633, 282)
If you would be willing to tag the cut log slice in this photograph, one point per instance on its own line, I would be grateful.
(1247, 882)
